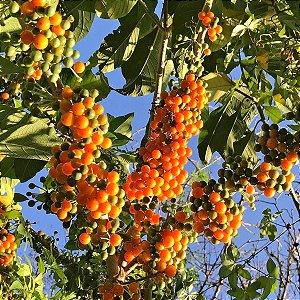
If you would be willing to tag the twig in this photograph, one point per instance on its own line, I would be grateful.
(151, 15)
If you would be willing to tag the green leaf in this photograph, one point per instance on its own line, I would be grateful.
(85, 5)
(89, 81)
(13, 214)
(25, 137)
(244, 273)
(41, 266)
(7, 181)
(83, 21)
(225, 271)
(218, 85)
(114, 9)
(273, 113)
(7, 67)
(245, 146)
(27, 168)
(19, 197)
(116, 49)
(141, 69)
(121, 124)
(7, 168)
(24, 270)
(220, 132)
(17, 285)
(271, 267)
(118, 46)
(12, 24)
(233, 279)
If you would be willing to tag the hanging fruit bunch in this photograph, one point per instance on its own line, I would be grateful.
(45, 41)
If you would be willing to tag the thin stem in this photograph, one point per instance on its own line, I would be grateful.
(151, 15)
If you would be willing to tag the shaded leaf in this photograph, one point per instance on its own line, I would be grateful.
(218, 85)
(7, 67)
(27, 168)
(140, 70)
(245, 146)
(114, 9)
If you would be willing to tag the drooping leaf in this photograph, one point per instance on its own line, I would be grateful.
(114, 9)
(141, 69)
(27, 168)
(220, 131)
(24, 136)
(245, 146)
(7, 67)
(83, 12)
(218, 85)
(89, 81)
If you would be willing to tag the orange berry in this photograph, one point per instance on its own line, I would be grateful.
(115, 240)
(207, 52)
(170, 271)
(27, 37)
(43, 23)
(84, 238)
(27, 8)
(40, 42)
(55, 19)
(79, 67)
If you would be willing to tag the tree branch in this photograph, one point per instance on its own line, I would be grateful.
(162, 59)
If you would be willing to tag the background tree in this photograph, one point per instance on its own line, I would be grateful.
(140, 226)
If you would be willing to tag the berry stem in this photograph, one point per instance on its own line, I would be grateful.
(295, 200)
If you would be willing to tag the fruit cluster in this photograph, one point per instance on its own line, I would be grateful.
(211, 22)
(45, 41)
(84, 185)
(8, 248)
(109, 290)
(159, 171)
(215, 212)
(280, 149)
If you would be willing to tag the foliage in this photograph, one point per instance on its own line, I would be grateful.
(138, 225)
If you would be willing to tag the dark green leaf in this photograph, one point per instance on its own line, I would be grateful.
(121, 124)
(7, 67)
(27, 168)
(271, 267)
(220, 132)
(245, 146)
(233, 279)
(244, 273)
(114, 9)
(225, 271)
(19, 197)
(7, 168)
(119, 46)
(141, 69)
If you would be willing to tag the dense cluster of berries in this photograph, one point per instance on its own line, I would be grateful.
(281, 153)
(9, 90)
(215, 212)
(8, 248)
(45, 42)
(83, 182)
(109, 290)
(160, 164)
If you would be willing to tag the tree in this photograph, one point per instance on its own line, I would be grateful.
(151, 222)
